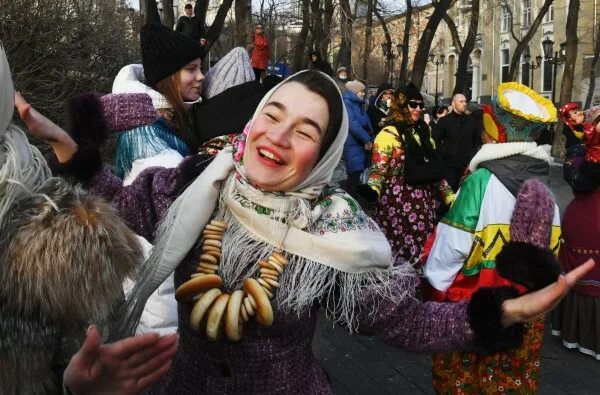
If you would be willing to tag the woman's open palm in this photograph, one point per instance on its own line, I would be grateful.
(125, 367)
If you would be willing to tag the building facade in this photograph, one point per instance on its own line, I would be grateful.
(490, 60)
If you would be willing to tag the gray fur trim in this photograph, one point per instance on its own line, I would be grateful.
(65, 253)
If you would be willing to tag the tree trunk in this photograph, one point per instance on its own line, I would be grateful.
(151, 14)
(300, 44)
(368, 39)
(467, 48)
(592, 85)
(388, 37)
(344, 57)
(515, 61)
(327, 17)
(566, 86)
(316, 24)
(403, 77)
(200, 10)
(422, 55)
(215, 29)
(168, 14)
(453, 33)
(243, 23)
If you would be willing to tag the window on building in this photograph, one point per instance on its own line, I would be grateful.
(549, 17)
(504, 20)
(547, 72)
(526, 13)
(504, 64)
(525, 68)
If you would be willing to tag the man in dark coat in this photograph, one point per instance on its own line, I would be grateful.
(188, 24)
(459, 138)
(379, 109)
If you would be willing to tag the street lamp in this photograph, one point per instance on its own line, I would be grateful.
(557, 59)
(532, 66)
(389, 54)
(437, 61)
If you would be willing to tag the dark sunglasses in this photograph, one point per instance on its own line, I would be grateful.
(414, 104)
(259, 28)
(441, 110)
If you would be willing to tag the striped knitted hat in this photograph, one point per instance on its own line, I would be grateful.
(233, 69)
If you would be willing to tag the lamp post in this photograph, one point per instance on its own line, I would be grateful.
(437, 61)
(557, 59)
(390, 55)
(532, 66)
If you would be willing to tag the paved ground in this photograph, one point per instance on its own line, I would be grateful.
(365, 365)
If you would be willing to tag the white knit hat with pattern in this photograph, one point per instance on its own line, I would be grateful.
(233, 69)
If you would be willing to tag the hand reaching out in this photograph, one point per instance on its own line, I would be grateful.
(124, 367)
(534, 305)
(41, 127)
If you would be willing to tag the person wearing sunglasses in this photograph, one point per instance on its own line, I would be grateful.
(403, 190)
(260, 51)
(459, 137)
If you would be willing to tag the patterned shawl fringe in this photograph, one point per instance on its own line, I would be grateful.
(302, 283)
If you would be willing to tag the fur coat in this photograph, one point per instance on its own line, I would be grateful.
(63, 257)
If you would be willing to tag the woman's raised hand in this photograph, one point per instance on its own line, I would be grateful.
(121, 368)
(534, 305)
(41, 127)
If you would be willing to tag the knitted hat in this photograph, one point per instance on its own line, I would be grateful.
(517, 114)
(526, 258)
(165, 51)
(592, 114)
(355, 86)
(233, 69)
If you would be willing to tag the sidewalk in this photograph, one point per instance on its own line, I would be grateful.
(366, 365)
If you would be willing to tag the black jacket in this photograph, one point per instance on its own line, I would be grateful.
(228, 112)
(190, 26)
(458, 138)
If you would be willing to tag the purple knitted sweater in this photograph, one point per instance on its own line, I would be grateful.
(278, 358)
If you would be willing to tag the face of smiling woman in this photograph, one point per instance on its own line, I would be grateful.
(285, 138)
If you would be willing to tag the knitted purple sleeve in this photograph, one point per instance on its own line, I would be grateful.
(424, 327)
(143, 203)
(416, 326)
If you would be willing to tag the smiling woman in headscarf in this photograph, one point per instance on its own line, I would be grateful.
(274, 243)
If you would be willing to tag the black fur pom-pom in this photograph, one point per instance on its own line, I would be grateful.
(485, 318)
(528, 265)
(87, 119)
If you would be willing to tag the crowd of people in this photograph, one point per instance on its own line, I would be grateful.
(218, 231)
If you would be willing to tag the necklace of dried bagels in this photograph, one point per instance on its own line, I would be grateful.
(224, 312)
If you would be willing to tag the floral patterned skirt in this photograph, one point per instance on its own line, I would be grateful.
(406, 215)
(513, 372)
